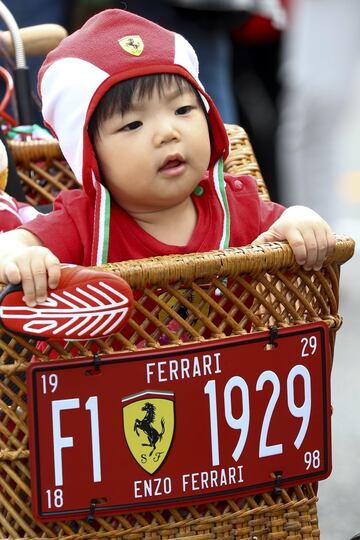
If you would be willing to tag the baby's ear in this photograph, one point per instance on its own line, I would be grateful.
(3, 166)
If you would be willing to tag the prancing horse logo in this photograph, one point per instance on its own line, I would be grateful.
(145, 425)
(149, 422)
(132, 44)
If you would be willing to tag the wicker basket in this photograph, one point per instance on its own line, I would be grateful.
(266, 287)
(42, 170)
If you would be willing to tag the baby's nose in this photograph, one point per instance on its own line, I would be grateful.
(166, 132)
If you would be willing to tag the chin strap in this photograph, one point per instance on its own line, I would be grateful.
(100, 245)
(217, 176)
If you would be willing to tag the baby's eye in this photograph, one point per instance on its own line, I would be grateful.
(131, 126)
(184, 110)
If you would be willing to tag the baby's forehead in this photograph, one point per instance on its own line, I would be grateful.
(163, 85)
(167, 93)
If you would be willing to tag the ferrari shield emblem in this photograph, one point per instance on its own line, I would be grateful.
(149, 423)
(132, 44)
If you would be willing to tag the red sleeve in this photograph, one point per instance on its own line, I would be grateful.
(9, 215)
(67, 230)
(269, 212)
(250, 215)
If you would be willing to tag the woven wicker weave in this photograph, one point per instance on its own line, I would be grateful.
(42, 170)
(265, 286)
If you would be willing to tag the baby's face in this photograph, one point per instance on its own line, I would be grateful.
(152, 157)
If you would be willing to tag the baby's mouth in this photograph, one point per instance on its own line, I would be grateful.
(172, 163)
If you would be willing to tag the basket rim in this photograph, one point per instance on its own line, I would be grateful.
(251, 259)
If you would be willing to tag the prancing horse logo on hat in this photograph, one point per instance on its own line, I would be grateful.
(132, 44)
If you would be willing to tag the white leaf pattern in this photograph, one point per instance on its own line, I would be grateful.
(91, 311)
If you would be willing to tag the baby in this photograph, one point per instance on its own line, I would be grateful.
(122, 96)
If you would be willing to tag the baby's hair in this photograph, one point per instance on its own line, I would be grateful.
(119, 98)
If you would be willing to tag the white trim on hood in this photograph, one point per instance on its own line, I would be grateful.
(185, 56)
(65, 109)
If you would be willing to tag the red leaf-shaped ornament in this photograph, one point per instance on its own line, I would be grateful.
(87, 304)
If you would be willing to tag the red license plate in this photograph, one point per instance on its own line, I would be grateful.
(178, 426)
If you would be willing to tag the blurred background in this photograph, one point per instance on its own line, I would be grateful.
(288, 71)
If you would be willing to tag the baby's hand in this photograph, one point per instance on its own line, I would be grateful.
(309, 236)
(36, 267)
